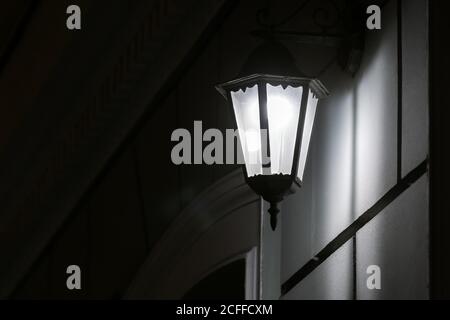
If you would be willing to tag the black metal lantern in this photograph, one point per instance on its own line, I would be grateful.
(274, 108)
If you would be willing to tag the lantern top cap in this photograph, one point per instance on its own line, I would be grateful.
(249, 81)
(270, 57)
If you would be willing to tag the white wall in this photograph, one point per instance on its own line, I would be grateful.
(353, 163)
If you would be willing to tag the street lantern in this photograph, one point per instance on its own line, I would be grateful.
(274, 108)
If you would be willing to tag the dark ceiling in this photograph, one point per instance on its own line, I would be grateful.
(30, 45)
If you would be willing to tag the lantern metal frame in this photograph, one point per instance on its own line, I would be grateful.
(274, 187)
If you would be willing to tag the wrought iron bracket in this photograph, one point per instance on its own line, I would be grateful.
(349, 41)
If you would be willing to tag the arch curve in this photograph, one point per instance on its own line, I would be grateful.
(221, 224)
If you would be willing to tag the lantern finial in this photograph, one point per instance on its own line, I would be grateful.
(273, 211)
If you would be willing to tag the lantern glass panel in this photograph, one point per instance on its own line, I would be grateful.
(246, 109)
(307, 130)
(283, 111)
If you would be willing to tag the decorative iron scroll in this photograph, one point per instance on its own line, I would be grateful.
(326, 16)
(340, 23)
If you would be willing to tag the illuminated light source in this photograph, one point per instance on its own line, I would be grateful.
(274, 107)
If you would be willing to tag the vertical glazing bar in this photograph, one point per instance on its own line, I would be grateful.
(300, 126)
(264, 125)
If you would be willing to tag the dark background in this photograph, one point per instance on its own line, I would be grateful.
(86, 176)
